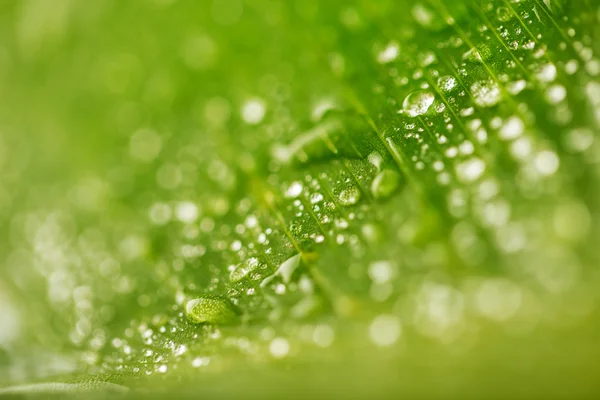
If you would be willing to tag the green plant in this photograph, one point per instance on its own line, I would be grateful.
(236, 198)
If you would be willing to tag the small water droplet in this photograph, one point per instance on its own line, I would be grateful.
(446, 83)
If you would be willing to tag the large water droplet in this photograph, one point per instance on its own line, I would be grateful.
(211, 310)
(418, 102)
(385, 184)
(349, 196)
(243, 269)
(285, 270)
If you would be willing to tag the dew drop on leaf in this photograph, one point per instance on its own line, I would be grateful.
(385, 184)
(486, 93)
(446, 83)
(243, 269)
(418, 102)
(349, 196)
(211, 310)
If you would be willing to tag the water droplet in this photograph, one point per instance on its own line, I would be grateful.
(418, 102)
(479, 54)
(446, 83)
(349, 196)
(486, 93)
(340, 134)
(243, 269)
(385, 184)
(211, 310)
(285, 270)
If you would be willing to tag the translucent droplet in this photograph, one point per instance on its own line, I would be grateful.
(385, 184)
(486, 93)
(285, 270)
(418, 102)
(243, 269)
(349, 196)
(446, 83)
(211, 310)
(479, 54)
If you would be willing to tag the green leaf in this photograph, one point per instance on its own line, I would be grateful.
(248, 197)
